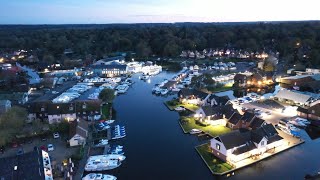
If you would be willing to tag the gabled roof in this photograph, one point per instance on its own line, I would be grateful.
(247, 117)
(235, 118)
(240, 76)
(78, 127)
(234, 139)
(189, 92)
(315, 109)
(240, 150)
(256, 123)
(294, 96)
(219, 99)
(213, 110)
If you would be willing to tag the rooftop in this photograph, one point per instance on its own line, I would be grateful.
(28, 166)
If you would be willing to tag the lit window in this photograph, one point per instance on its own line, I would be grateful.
(218, 146)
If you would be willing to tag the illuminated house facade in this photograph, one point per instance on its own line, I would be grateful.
(193, 96)
(241, 144)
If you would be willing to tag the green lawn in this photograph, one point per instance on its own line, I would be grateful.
(226, 87)
(175, 103)
(106, 110)
(189, 123)
(216, 165)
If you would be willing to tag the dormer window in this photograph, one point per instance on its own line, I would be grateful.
(42, 109)
(71, 108)
(84, 106)
(218, 146)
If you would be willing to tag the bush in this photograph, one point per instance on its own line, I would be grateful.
(78, 155)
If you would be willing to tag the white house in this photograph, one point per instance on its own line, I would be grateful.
(239, 145)
(78, 133)
(193, 96)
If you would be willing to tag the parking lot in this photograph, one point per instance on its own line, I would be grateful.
(60, 152)
(273, 115)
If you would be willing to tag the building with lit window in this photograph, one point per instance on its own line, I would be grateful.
(241, 144)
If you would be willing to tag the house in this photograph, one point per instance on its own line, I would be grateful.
(60, 111)
(312, 113)
(215, 100)
(110, 70)
(293, 97)
(291, 81)
(34, 165)
(241, 144)
(247, 118)
(240, 80)
(78, 133)
(256, 123)
(211, 115)
(56, 112)
(234, 122)
(193, 96)
(5, 105)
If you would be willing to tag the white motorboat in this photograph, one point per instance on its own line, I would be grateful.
(96, 176)
(179, 108)
(164, 91)
(302, 120)
(297, 123)
(109, 121)
(122, 88)
(175, 89)
(104, 162)
(101, 143)
(195, 131)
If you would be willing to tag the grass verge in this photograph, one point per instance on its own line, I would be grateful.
(214, 164)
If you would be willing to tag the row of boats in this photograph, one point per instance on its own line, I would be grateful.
(291, 127)
(112, 158)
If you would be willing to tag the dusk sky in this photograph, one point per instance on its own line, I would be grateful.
(148, 11)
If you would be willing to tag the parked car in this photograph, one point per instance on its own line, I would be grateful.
(56, 135)
(50, 147)
(44, 148)
(14, 144)
(20, 152)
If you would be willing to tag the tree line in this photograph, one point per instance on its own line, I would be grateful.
(166, 40)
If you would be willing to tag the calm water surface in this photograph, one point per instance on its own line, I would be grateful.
(156, 147)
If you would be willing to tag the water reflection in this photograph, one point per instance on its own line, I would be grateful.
(243, 92)
(313, 132)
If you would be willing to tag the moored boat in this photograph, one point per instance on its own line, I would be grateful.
(97, 176)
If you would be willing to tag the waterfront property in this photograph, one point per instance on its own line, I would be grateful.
(241, 144)
(110, 70)
(312, 112)
(56, 112)
(193, 96)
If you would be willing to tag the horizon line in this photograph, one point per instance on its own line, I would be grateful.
(137, 23)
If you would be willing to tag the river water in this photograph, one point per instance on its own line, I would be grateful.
(156, 147)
